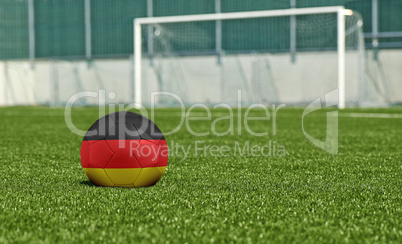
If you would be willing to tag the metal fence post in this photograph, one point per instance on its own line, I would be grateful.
(31, 24)
(88, 44)
(218, 47)
(293, 33)
(218, 32)
(150, 13)
(374, 22)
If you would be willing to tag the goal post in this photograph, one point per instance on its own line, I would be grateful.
(340, 12)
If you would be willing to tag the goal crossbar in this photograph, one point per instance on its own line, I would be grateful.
(339, 10)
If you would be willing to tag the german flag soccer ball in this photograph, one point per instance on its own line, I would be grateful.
(124, 149)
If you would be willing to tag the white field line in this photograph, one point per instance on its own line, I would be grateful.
(27, 113)
(279, 114)
(371, 115)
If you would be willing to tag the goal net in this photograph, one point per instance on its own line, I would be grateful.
(290, 56)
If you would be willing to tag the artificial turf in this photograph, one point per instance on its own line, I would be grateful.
(308, 195)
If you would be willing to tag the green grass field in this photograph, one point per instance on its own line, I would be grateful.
(306, 196)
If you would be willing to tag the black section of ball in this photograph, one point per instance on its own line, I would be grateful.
(124, 125)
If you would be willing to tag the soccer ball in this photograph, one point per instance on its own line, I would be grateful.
(124, 149)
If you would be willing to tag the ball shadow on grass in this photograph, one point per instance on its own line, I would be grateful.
(87, 183)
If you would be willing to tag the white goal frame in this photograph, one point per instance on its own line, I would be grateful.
(339, 10)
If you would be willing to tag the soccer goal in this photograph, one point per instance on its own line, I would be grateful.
(290, 56)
